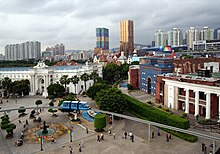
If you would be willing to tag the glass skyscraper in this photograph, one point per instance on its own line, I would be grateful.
(102, 38)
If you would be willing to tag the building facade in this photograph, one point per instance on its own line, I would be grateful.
(23, 51)
(127, 37)
(58, 49)
(206, 45)
(175, 37)
(207, 34)
(102, 38)
(41, 76)
(192, 34)
(160, 38)
(150, 67)
(192, 94)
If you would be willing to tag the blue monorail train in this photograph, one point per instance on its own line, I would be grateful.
(74, 105)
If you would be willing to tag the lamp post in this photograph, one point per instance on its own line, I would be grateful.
(70, 132)
(41, 143)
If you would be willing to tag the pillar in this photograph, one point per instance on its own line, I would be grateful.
(218, 108)
(196, 103)
(187, 101)
(149, 133)
(207, 114)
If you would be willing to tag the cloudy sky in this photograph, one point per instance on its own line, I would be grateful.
(73, 22)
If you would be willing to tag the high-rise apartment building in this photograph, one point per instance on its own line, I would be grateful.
(207, 34)
(218, 34)
(127, 37)
(192, 34)
(23, 51)
(58, 49)
(175, 37)
(160, 38)
(102, 38)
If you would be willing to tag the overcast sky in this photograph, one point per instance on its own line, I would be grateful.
(73, 22)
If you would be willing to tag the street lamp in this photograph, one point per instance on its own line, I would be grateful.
(41, 139)
(70, 132)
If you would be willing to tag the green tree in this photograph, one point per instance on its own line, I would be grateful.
(111, 100)
(111, 73)
(92, 91)
(56, 90)
(99, 122)
(94, 76)
(124, 70)
(7, 84)
(10, 129)
(75, 80)
(52, 111)
(84, 77)
(64, 80)
(21, 111)
(38, 102)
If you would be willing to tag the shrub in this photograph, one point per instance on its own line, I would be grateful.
(99, 122)
(184, 115)
(60, 102)
(130, 87)
(159, 106)
(51, 97)
(167, 110)
(51, 103)
(155, 115)
(149, 102)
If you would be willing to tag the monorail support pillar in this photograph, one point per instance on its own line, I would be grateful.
(149, 132)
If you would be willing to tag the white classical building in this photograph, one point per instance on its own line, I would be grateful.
(41, 76)
(192, 94)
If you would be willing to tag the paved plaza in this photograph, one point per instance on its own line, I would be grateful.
(109, 145)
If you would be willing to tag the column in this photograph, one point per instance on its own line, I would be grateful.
(33, 82)
(218, 108)
(196, 102)
(207, 114)
(187, 101)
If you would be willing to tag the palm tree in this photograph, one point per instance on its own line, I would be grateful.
(75, 80)
(85, 77)
(64, 80)
(7, 84)
(94, 76)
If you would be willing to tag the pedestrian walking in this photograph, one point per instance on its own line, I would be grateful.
(109, 132)
(132, 138)
(203, 146)
(82, 144)
(98, 138)
(125, 133)
(87, 131)
(102, 136)
(27, 122)
(167, 138)
(71, 150)
(80, 148)
(19, 121)
(152, 134)
(7, 101)
(40, 110)
(24, 124)
(205, 149)
(197, 117)
(114, 135)
(170, 137)
(1, 102)
(158, 131)
(130, 134)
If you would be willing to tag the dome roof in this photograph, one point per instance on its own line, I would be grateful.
(122, 57)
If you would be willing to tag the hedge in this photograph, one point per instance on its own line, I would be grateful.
(184, 136)
(100, 122)
(155, 115)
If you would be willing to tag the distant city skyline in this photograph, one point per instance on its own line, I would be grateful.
(74, 22)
